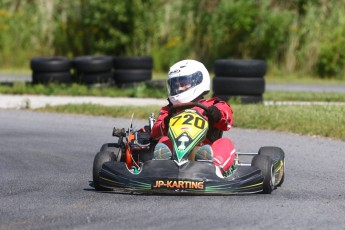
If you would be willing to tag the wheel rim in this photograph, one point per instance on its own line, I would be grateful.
(273, 178)
(283, 168)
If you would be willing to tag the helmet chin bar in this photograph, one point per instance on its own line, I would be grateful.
(185, 97)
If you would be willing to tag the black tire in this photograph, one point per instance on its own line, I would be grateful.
(244, 99)
(240, 68)
(133, 62)
(95, 77)
(100, 159)
(114, 148)
(50, 64)
(110, 147)
(238, 86)
(278, 156)
(265, 164)
(91, 64)
(282, 178)
(51, 77)
(132, 76)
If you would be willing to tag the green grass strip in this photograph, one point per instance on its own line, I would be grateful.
(141, 90)
(313, 120)
(325, 120)
(304, 96)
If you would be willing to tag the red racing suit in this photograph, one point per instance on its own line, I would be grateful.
(223, 149)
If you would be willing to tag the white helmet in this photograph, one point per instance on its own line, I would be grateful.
(187, 80)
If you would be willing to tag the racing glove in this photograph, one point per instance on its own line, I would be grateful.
(213, 114)
(166, 121)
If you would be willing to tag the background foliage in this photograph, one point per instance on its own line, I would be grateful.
(305, 36)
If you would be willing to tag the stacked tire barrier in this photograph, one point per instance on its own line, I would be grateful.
(241, 80)
(129, 71)
(47, 70)
(91, 70)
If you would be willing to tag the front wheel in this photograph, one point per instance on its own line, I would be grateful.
(265, 164)
(100, 158)
(278, 157)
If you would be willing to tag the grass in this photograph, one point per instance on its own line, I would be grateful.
(313, 120)
(304, 96)
(141, 90)
(282, 77)
(4, 70)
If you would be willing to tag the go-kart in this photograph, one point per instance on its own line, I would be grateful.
(129, 164)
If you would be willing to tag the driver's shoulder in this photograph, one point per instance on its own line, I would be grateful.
(211, 101)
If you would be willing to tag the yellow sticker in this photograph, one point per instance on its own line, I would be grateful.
(190, 122)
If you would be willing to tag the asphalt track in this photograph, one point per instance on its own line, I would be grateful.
(46, 165)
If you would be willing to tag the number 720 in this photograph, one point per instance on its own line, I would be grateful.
(189, 119)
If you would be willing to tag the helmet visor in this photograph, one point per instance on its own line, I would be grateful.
(177, 85)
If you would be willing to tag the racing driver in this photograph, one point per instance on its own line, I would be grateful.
(189, 81)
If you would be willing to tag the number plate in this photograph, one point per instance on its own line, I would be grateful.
(189, 122)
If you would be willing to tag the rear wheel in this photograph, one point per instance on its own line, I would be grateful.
(278, 157)
(110, 147)
(114, 148)
(265, 164)
(101, 158)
